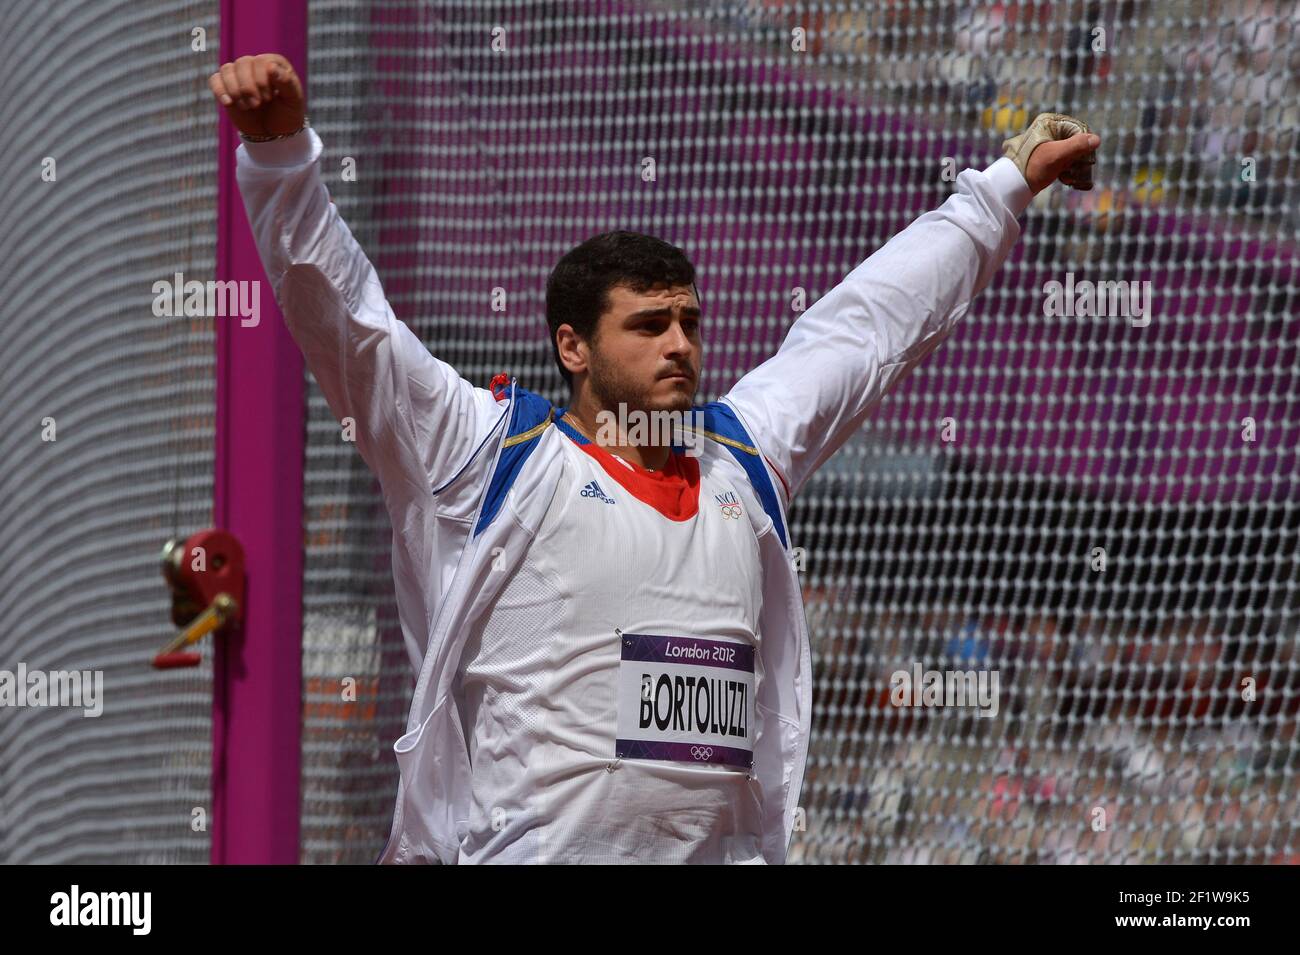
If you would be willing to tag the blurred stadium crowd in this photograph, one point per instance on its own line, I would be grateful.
(1184, 89)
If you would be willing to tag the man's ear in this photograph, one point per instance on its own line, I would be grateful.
(567, 341)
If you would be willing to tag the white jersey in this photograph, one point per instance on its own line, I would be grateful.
(608, 696)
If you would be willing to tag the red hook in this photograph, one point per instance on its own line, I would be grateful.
(205, 574)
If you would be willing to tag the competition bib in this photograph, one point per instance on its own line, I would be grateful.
(685, 699)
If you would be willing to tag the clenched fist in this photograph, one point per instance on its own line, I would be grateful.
(262, 94)
(1055, 146)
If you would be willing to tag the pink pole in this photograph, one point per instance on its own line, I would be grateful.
(260, 428)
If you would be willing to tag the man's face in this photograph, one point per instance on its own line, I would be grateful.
(647, 350)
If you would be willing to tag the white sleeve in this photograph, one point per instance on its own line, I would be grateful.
(417, 420)
(844, 354)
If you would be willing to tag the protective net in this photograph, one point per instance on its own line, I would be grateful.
(1097, 510)
(107, 185)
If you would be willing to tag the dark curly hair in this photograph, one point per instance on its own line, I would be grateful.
(578, 287)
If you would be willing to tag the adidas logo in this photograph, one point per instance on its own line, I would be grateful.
(593, 490)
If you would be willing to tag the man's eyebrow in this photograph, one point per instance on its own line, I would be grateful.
(665, 310)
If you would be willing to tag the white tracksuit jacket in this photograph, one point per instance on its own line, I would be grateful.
(448, 453)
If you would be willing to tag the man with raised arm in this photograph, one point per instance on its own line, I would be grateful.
(608, 632)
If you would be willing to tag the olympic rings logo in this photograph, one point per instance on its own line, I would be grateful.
(701, 752)
(731, 510)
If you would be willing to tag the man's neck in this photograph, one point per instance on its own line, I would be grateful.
(582, 418)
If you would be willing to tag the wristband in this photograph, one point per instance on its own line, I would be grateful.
(270, 139)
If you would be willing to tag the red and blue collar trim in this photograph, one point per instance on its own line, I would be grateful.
(674, 492)
(532, 413)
